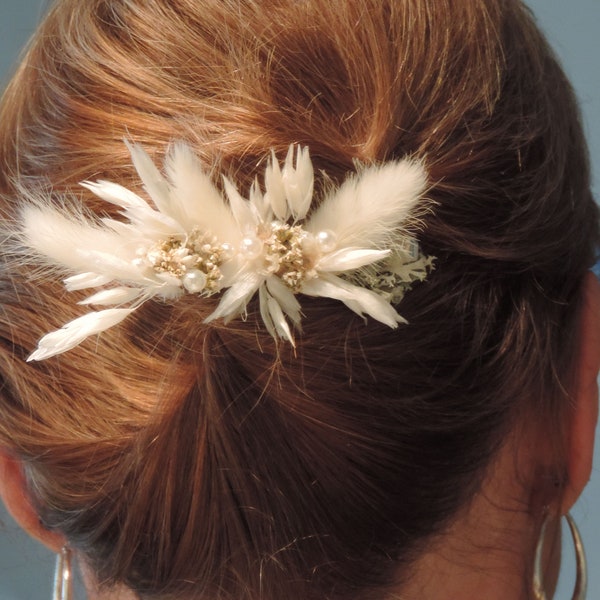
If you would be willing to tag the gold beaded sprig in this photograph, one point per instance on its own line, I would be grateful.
(195, 260)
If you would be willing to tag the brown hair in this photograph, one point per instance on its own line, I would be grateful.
(182, 458)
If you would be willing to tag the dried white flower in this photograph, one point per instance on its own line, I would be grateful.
(355, 247)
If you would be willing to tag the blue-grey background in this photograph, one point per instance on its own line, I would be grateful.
(573, 28)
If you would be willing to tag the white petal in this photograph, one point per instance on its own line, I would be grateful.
(368, 209)
(273, 317)
(298, 182)
(83, 281)
(76, 331)
(119, 295)
(260, 205)
(285, 297)
(281, 326)
(350, 258)
(236, 298)
(275, 192)
(357, 299)
(263, 297)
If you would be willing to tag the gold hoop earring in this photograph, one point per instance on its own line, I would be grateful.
(580, 591)
(63, 584)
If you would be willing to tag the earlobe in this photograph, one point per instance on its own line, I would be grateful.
(13, 491)
(585, 404)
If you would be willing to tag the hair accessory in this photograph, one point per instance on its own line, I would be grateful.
(356, 246)
(580, 591)
(63, 581)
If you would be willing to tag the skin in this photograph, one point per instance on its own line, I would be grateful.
(488, 550)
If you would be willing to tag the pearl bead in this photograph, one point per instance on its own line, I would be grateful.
(326, 240)
(251, 247)
(227, 250)
(194, 281)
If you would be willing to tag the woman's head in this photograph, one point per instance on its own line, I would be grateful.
(184, 458)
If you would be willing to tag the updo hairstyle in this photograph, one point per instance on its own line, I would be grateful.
(208, 461)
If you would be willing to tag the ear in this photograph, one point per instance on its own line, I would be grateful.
(584, 414)
(13, 490)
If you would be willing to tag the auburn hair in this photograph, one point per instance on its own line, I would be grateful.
(207, 461)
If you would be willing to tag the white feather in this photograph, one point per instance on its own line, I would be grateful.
(273, 317)
(76, 331)
(298, 181)
(83, 281)
(281, 326)
(263, 303)
(230, 271)
(349, 259)
(274, 189)
(59, 237)
(105, 263)
(366, 214)
(126, 230)
(236, 298)
(166, 286)
(260, 202)
(195, 197)
(244, 212)
(153, 223)
(369, 208)
(154, 183)
(115, 194)
(118, 295)
(360, 300)
(285, 297)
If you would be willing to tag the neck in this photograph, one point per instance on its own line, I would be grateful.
(478, 557)
(488, 551)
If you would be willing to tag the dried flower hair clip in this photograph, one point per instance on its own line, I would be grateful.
(356, 246)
